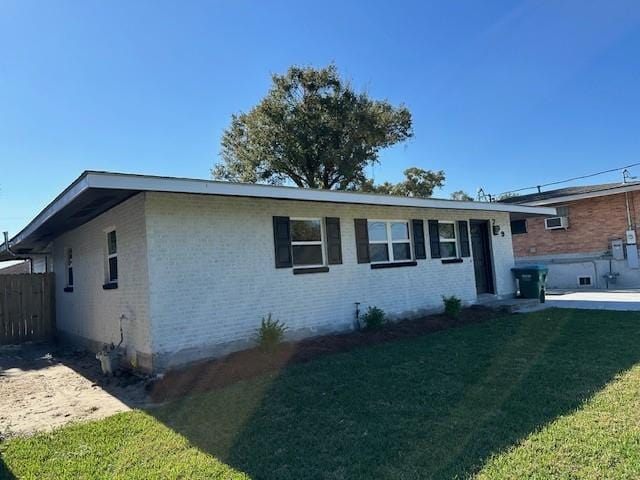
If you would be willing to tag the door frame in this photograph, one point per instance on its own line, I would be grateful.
(490, 267)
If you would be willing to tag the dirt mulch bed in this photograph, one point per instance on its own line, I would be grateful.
(246, 364)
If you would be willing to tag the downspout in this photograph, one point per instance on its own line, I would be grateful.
(626, 199)
(6, 245)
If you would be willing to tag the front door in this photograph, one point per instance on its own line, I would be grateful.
(482, 256)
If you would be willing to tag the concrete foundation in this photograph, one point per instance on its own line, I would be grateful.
(603, 271)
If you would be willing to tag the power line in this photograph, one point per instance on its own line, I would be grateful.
(570, 179)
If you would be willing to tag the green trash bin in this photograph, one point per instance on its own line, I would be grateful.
(531, 280)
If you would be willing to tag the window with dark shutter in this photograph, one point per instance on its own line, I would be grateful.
(463, 231)
(282, 241)
(362, 240)
(334, 242)
(419, 247)
(434, 238)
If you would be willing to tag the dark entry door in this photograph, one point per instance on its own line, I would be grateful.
(482, 256)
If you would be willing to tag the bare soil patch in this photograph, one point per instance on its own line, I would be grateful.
(246, 364)
(42, 388)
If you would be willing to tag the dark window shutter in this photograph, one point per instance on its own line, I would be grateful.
(434, 238)
(362, 240)
(419, 247)
(334, 244)
(282, 241)
(463, 231)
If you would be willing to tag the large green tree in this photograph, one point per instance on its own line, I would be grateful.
(311, 129)
(417, 183)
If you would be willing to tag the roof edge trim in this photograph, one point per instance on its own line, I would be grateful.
(582, 196)
(147, 183)
(209, 187)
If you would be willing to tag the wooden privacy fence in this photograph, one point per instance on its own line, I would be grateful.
(27, 309)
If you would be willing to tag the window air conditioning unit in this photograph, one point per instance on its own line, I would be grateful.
(555, 223)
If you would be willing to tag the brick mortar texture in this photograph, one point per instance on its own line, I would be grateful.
(593, 223)
(212, 275)
(90, 312)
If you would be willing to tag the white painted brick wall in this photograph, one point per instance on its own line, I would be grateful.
(90, 312)
(212, 274)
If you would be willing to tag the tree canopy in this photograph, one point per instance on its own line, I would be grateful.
(314, 130)
(461, 195)
(417, 183)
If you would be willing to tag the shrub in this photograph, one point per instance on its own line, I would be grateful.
(374, 318)
(452, 306)
(270, 333)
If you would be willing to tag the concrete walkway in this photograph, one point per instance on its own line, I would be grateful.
(596, 299)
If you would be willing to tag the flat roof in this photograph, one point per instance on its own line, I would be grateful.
(94, 192)
(570, 194)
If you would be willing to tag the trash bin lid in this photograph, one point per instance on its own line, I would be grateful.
(530, 268)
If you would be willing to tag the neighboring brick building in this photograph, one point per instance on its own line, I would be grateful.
(22, 267)
(592, 248)
(187, 268)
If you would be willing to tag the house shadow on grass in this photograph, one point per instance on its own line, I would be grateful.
(5, 472)
(436, 406)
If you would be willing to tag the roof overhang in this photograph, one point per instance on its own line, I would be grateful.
(94, 193)
(582, 196)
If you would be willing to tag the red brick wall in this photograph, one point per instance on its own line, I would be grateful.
(593, 223)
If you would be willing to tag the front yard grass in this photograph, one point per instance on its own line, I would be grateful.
(553, 394)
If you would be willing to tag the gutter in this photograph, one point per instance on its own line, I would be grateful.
(5, 247)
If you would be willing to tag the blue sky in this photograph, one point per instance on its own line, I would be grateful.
(504, 94)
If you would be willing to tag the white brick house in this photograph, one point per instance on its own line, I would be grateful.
(188, 267)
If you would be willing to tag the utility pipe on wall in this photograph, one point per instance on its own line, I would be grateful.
(626, 199)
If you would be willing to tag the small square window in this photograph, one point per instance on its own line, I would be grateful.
(518, 227)
(584, 281)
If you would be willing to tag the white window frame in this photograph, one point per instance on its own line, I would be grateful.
(322, 242)
(68, 262)
(453, 240)
(109, 256)
(390, 241)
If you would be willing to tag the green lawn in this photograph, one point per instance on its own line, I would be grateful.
(550, 394)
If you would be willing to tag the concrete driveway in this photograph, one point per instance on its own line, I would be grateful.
(595, 299)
